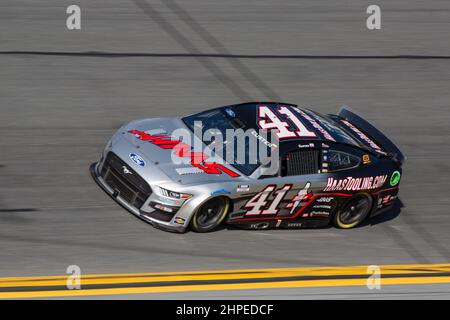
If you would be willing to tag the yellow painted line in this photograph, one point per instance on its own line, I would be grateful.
(110, 279)
(126, 279)
(303, 270)
(211, 287)
(219, 275)
(350, 269)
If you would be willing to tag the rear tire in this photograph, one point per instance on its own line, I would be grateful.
(353, 212)
(210, 214)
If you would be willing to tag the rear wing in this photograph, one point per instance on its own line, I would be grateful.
(369, 135)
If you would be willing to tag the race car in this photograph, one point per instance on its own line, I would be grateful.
(330, 169)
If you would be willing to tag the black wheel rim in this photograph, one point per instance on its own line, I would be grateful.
(355, 210)
(211, 212)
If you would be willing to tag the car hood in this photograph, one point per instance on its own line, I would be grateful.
(164, 159)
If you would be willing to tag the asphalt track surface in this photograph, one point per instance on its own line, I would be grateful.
(63, 93)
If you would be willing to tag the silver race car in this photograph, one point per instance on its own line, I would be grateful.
(329, 169)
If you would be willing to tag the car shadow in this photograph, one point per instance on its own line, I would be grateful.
(388, 215)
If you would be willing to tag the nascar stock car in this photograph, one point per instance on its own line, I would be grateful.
(332, 170)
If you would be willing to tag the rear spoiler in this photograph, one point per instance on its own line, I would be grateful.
(369, 135)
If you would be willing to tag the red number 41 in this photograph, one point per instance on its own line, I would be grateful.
(258, 204)
(270, 120)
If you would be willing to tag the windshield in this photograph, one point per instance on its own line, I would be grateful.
(218, 121)
(209, 120)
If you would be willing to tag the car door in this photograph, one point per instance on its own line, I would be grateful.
(285, 193)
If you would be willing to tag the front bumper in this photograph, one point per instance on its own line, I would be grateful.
(167, 226)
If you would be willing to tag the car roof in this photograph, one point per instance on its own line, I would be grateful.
(325, 129)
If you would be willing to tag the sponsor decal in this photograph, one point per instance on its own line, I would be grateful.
(308, 145)
(163, 207)
(386, 199)
(366, 159)
(355, 184)
(319, 214)
(395, 178)
(156, 131)
(316, 125)
(243, 188)
(137, 159)
(126, 170)
(220, 191)
(300, 199)
(230, 112)
(325, 199)
(188, 170)
(322, 206)
(181, 149)
(294, 224)
(325, 161)
(263, 140)
(179, 220)
(259, 225)
(363, 137)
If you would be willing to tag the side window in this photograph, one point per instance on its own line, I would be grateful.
(300, 162)
(338, 160)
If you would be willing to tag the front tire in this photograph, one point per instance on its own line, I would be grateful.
(210, 214)
(353, 212)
